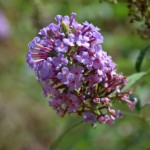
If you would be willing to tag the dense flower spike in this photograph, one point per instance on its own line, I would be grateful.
(79, 76)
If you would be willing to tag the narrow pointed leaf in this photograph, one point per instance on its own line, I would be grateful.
(133, 79)
(140, 59)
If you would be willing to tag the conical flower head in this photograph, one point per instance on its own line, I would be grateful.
(79, 76)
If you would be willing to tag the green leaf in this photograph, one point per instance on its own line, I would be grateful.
(140, 58)
(145, 112)
(133, 79)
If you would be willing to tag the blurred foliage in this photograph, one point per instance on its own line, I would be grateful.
(139, 13)
(26, 120)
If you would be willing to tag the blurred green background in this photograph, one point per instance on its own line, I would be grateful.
(26, 120)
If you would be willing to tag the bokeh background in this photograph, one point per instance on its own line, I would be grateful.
(26, 120)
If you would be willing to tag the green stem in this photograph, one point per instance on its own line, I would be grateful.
(55, 144)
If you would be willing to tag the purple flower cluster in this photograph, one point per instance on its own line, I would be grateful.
(75, 72)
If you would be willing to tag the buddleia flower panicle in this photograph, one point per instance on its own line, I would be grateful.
(75, 72)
